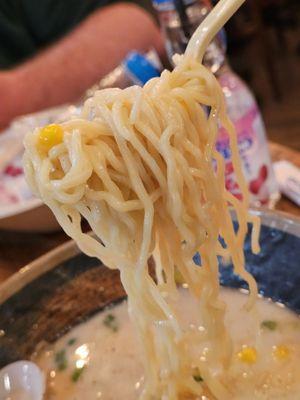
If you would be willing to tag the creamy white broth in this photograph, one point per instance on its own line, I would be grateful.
(100, 359)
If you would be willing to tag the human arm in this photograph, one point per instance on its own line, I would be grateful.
(63, 71)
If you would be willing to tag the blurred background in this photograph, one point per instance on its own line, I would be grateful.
(264, 48)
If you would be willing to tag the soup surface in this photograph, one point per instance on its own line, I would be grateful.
(100, 359)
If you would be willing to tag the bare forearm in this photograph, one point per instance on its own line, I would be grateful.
(62, 72)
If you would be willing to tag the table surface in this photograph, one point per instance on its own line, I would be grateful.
(18, 249)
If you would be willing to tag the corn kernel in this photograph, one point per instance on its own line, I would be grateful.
(248, 355)
(50, 136)
(281, 352)
(178, 276)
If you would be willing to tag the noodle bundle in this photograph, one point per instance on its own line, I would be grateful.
(140, 166)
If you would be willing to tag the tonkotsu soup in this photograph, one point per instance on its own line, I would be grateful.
(100, 359)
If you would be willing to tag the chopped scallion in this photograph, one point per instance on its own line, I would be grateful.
(76, 374)
(71, 341)
(111, 322)
(61, 360)
(198, 378)
(269, 324)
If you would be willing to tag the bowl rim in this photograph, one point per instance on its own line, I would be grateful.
(16, 209)
(39, 266)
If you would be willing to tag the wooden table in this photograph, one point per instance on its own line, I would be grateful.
(18, 249)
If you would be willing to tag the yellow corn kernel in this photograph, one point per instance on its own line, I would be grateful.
(281, 352)
(247, 355)
(178, 276)
(50, 136)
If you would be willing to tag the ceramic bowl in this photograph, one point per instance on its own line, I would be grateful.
(65, 287)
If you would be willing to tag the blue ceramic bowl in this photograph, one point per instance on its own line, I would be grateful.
(57, 291)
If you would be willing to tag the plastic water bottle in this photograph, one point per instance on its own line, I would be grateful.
(253, 147)
(141, 68)
(176, 38)
(135, 69)
(241, 105)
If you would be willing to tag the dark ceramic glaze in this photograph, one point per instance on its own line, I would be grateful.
(73, 290)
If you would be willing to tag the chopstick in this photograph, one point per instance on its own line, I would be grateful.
(210, 26)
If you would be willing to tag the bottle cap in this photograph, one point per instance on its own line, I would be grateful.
(139, 68)
(167, 5)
